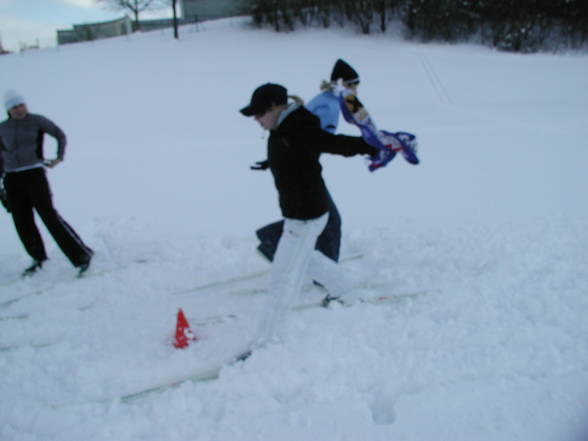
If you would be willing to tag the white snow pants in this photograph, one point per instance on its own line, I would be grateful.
(295, 262)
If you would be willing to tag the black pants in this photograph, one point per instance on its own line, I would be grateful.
(28, 190)
(328, 243)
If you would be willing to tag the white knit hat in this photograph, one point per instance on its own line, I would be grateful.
(12, 98)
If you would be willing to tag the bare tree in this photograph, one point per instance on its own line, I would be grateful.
(135, 7)
(174, 6)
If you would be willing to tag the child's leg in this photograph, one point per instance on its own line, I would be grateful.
(289, 270)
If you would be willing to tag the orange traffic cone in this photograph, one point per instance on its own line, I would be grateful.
(184, 334)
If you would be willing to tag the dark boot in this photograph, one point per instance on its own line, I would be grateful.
(36, 266)
(83, 267)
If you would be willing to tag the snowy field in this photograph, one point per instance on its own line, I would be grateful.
(491, 229)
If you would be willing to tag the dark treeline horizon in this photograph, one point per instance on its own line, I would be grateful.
(513, 25)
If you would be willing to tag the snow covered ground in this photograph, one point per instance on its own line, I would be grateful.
(492, 227)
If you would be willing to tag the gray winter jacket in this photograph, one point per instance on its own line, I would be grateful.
(21, 142)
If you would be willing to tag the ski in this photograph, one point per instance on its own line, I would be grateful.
(319, 303)
(223, 282)
(213, 373)
(15, 317)
(245, 292)
(9, 282)
(8, 348)
(25, 315)
(96, 273)
(43, 345)
(198, 376)
(227, 283)
(87, 275)
(39, 344)
(353, 301)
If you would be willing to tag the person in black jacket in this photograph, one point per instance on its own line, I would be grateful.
(22, 170)
(294, 146)
(326, 106)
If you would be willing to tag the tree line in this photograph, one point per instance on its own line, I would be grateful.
(514, 25)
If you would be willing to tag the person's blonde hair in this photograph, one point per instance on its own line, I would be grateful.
(326, 85)
(296, 99)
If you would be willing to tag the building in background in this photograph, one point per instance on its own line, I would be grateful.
(192, 11)
(95, 31)
(202, 10)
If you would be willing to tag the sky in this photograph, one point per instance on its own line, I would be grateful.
(31, 21)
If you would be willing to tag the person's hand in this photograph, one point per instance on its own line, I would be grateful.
(260, 165)
(52, 162)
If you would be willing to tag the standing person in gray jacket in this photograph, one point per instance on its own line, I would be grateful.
(22, 170)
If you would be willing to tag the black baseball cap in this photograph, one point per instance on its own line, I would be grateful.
(264, 98)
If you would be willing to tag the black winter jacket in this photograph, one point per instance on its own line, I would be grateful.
(293, 152)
